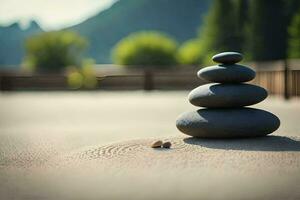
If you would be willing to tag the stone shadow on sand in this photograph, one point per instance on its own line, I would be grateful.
(267, 143)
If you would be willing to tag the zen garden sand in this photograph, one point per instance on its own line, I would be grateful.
(66, 146)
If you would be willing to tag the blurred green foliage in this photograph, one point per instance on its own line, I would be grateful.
(294, 33)
(147, 48)
(179, 18)
(190, 53)
(257, 28)
(75, 78)
(53, 51)
(83, 77)
(219, 30)
(222, 30)
(266, 38)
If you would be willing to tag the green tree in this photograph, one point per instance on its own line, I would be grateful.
(241, 20)
(267, 34)
(53, 51)
(294, 37)
(147, 48)
(257, 28)
(219, 31)
(223, 28)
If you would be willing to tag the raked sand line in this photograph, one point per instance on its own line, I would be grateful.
(271, 152)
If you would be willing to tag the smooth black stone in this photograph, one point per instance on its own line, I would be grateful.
(227, 123)
(226, 73)
(228, 57)
(215, 95)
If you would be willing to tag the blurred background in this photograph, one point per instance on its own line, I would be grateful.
(87, 66)
(143, 44)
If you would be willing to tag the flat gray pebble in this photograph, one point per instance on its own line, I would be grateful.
(227, 123)
(215, 95)
(227, 73)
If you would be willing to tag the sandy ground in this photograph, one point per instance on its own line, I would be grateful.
(94, 146)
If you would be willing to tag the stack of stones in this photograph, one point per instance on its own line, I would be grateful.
(225, 114)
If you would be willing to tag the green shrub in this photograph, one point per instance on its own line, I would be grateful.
(190, 53)
(88, 73)
(53, 51)
(294, 40)
(83, 77)
(75, 79)
(148, 48)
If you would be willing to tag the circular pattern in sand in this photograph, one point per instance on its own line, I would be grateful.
(276, 152)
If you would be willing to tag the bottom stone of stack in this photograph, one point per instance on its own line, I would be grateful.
(227, 123)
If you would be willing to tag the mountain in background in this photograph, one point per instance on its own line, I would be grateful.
(178, 18)
(12, 39)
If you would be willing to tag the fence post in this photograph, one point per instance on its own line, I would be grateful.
(148, 80)
(5, 83)
(286, 80)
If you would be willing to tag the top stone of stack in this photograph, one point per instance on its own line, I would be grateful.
(228, 57)
(227, 71)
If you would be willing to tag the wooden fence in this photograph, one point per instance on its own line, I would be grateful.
(278, 77)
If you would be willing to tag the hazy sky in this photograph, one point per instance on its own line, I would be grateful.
(50, 14)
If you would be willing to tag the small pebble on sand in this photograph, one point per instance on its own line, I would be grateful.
(157, 144)
(167, 145)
